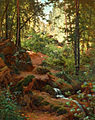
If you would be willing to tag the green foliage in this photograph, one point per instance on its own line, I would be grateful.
(58, 57)
(62, 75)
(8, 107)
(88, 97)
(38, 42)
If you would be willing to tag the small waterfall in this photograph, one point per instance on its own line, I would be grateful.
(59, 95)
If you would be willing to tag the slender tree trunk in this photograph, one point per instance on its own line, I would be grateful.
(77, 40)
(18, 42)
(83, 44)
(7, 24)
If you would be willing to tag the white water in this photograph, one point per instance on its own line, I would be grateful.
(59, 95)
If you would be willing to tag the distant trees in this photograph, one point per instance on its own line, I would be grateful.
(78, 25)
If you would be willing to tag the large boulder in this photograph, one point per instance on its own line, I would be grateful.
(15, 59)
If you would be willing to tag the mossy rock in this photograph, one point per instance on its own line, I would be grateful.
(37, 101)
(49, 90)
(21, 83)
(42, 70)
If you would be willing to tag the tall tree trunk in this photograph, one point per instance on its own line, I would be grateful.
(18, 42)
(7, 24)
(77, 40)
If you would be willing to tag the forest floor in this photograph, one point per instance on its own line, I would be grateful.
(37, 59)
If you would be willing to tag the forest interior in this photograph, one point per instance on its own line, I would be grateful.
(47, 53)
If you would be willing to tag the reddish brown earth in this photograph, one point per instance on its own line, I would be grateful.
(36, 58)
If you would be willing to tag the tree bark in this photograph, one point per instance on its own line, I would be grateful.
(7, 24)
(77, 40)
(18, 42)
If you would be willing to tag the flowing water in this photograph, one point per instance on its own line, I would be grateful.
(60, 95)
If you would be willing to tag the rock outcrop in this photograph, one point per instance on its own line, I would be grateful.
(15, 59)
